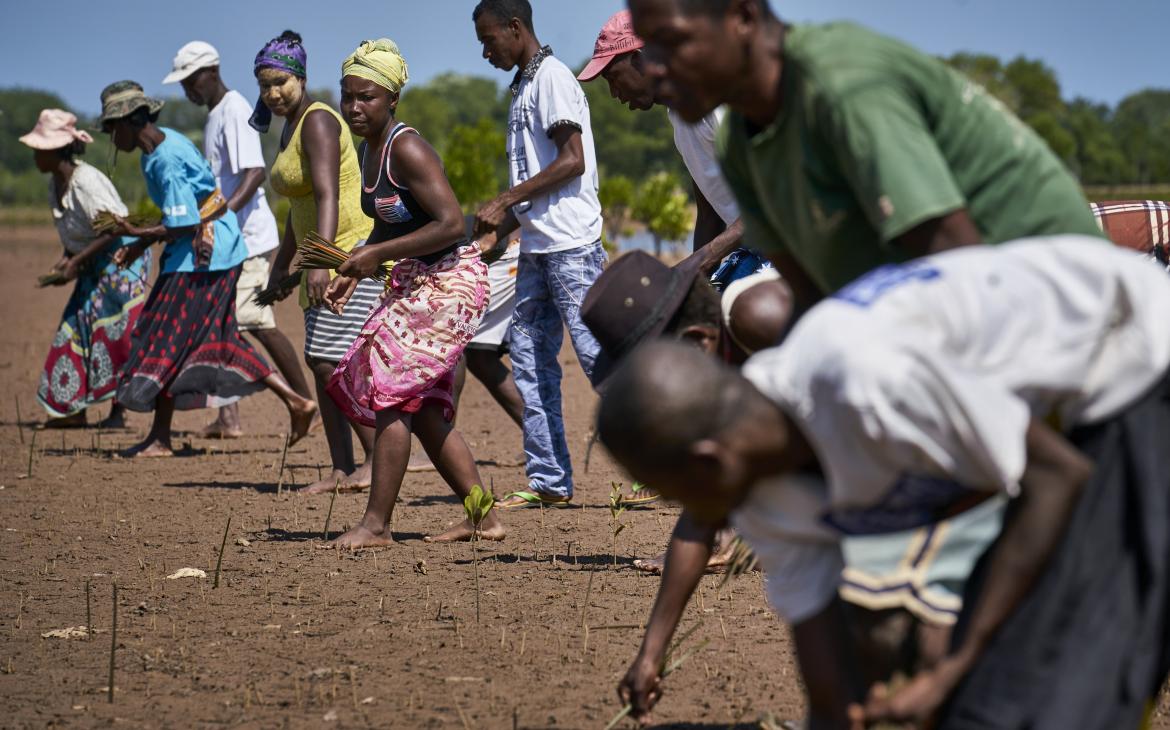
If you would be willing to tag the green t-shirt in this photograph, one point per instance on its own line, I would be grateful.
(874, 138)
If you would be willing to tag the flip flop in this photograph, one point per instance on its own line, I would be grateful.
(529, 498)
(641, 498)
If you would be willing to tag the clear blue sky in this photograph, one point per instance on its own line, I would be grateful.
(1102, 51)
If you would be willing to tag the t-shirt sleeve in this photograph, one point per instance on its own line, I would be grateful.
(803, 577)
(241, 142)
(890, 158)
(180, 208)
(560, 101)
(732, 161)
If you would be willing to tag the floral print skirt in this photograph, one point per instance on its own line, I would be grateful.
(407, 351)
(92, 342)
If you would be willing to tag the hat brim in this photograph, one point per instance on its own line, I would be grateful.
(175, 77)
(595, 66)
(39, 141)
(152, 105)
(683, 275)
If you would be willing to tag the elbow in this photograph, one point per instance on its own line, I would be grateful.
(453, 229)
(577, 166)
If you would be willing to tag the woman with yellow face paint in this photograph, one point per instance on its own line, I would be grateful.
(399, 374)
(318, 172)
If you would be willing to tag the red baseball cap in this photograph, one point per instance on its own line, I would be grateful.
(616, 37)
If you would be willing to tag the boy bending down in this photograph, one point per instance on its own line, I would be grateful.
(1037, 369)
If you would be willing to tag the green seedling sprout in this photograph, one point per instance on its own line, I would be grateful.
(617, 506)
(669, 665)
(476, 506)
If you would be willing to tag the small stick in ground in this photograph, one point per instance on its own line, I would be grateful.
(88, 615)
(222, 545)
(32, 444)
(329, 514)
(19, 420)
(283, 456)
(113, 644)
(588, 590)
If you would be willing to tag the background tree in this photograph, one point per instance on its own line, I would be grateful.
(662, 206)
(473, 158)
(616, 195)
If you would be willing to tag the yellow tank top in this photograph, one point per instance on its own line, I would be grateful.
(292, 178)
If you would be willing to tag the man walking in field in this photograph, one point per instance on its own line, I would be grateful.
(553, 199)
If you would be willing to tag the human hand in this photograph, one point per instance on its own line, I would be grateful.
(127, 255)
(60, 265)
(490, 249)
(316, 284)
(70, 271)
(491, 215)
(702, 261)
(275, 276)
(362, 263)
(339, 292)
(918, 701)
(641, 688)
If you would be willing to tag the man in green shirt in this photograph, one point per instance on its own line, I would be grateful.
(847, 149)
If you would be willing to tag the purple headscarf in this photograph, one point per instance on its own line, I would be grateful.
(284, 53)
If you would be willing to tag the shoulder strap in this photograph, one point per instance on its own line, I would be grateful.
(389, 144)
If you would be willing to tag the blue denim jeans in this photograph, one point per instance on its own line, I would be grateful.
(550, 288)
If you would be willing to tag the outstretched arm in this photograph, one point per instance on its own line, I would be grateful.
(690, 548)
(1051, 484)
(569, 164)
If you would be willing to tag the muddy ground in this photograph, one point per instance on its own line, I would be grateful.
(299, 636)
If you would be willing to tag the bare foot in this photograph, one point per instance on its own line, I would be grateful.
(716, 563)
(360, 537)
(651, 565)
(463, 531)
(149, 449)
(359, 480)
(301, 413)
(220, 430)
(419, 461)
(324, 486)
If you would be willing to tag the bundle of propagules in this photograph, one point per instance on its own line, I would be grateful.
(105, 221)
(318, 253)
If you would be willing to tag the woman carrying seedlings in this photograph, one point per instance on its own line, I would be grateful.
(399, 374)
(93, 340)
(317, 171)
(186, 347)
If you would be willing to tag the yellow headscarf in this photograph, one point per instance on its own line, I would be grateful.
(380, 62)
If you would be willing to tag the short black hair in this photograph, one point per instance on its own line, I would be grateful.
(72, 151)
(505, 10)
(700, 308)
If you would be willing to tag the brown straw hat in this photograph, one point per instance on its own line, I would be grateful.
(121, 98)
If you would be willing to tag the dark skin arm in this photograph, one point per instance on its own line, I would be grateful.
(320, 132)
(1055, 475)
(417, 167)
(284, 256)
(713, 239)
(827, 667)
(253, 179)
(691, 545)
(71, 266)
(569, 164)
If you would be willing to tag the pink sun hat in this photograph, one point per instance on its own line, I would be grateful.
(616, 37)
(55, 129)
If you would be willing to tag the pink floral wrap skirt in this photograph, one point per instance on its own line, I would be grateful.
(409, 346)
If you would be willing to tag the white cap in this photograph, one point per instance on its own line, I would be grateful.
(190, 58)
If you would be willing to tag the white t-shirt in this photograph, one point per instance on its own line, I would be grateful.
(696, 144)
(570, 216)
(916, 383)
(232, 146)
(88, 193)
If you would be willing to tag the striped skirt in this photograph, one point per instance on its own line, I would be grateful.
(328, 335)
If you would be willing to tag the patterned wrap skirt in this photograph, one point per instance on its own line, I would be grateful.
(92, 342)
(407, 351)
(187, 346)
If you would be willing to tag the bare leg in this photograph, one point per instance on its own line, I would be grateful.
(336, 431)
(300, 410)
(158, 441)
(284, 356)
(117, 417)
(456, 465)
(226, 426)
(391, 450)
(488, 368)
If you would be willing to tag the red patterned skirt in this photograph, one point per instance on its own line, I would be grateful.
(186, 345)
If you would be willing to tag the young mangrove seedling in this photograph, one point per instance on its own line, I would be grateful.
(617, 507)
(476, 506)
